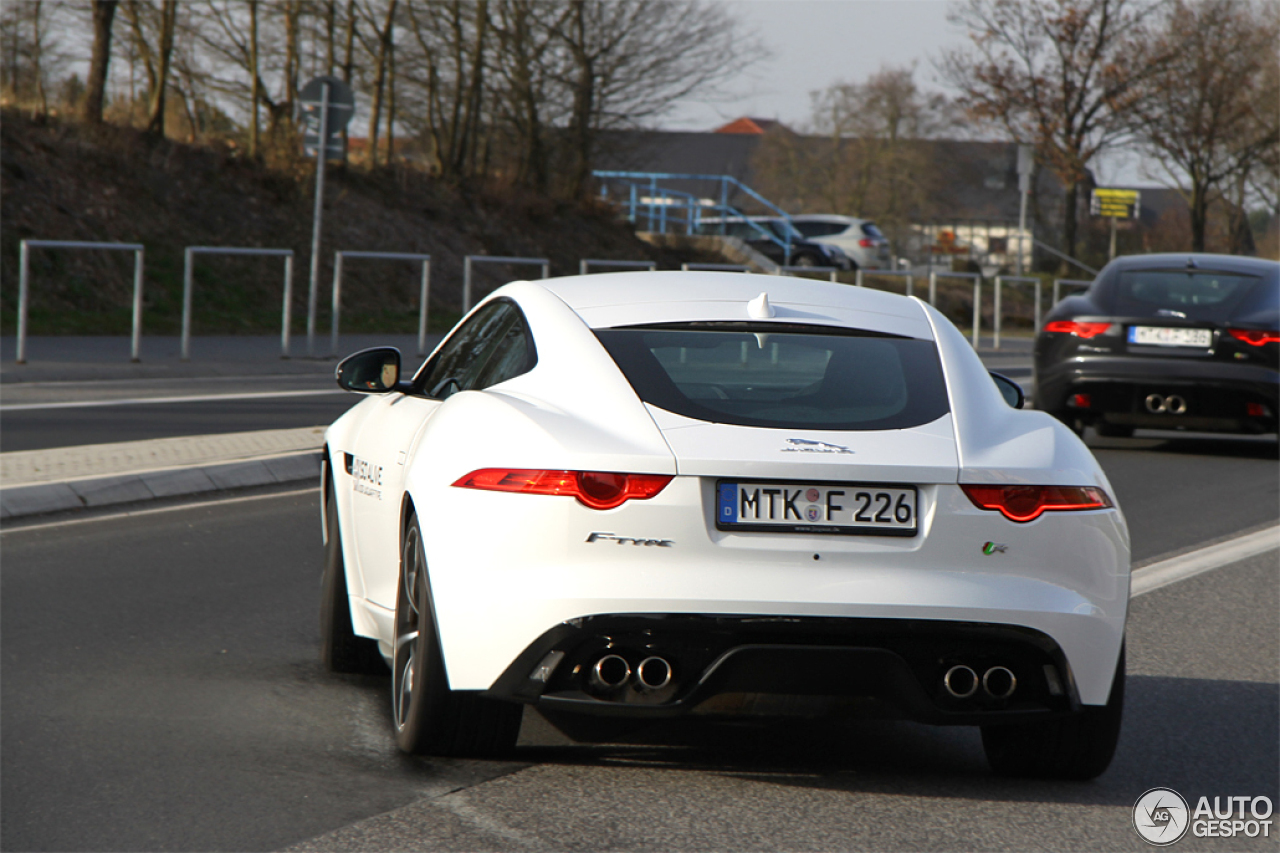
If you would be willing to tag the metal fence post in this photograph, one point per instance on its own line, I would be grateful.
(23, 268)
(995, 331)
(188, 262)
(335, 307)
(977, 309)
(857, 278)
(466, 284)
(910, 284)
(136, 343)
(422, 309)
(1037, 308)
(933, 289)
(288, 307)
(546, 270)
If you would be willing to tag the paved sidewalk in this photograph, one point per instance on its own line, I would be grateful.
(35, 482)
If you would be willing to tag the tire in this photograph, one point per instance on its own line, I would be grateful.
(429, 718)
(1109, 430)
(340, 649)
(1078, 747)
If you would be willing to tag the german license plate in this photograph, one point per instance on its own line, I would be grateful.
(1168, 336)
(867, 509)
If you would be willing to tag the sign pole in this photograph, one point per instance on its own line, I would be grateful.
(322, 156)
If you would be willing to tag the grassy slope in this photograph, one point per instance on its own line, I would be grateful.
(60, 182)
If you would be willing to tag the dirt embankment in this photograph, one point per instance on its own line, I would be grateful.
(62, 182)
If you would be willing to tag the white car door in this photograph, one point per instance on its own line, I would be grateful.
(492, 345)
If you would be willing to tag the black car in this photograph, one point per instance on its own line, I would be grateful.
(1186, 341)
(771, 236)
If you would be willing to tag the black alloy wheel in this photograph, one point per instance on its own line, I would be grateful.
(431, 719)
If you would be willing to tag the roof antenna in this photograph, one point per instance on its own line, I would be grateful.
(760, 309)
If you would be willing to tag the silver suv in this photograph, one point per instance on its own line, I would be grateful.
(860, 239)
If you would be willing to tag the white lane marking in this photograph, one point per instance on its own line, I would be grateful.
(116, 516)
(1174, 569)
(147, 401)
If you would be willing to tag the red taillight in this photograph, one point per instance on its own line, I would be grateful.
(1255, 337)
(867, 243)
(1026, 503)
(1080, 330)
(1256, 410)
(1080, 401)
(595, 489)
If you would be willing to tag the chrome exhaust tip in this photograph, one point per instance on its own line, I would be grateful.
(999, 682)
(653, 673)
(610, 673)
(960, 681)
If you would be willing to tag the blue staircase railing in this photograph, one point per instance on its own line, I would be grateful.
(662, 208)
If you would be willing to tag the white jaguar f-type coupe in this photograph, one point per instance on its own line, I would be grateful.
(642, 495)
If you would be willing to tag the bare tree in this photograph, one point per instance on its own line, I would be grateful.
(1200, 115)
(630, 60)
(381, 50)
(447, 70)
(104, 12)
(1059, 74)
(862, 154)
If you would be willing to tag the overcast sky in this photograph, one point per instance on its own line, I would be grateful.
(814, 43)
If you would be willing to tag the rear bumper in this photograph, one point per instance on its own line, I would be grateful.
(1216, 394)
(726, 665)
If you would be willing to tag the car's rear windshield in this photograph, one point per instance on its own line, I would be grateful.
(1193, 294)
(870, 229)
(782, 376)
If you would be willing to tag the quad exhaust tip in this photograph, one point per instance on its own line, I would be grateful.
(610, 672)
(960, 681)
(999, 682)
(653, 673)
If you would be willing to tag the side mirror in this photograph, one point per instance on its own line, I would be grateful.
(370, 371)
(1010, 390)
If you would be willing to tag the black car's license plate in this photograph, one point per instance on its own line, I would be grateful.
(853, 508)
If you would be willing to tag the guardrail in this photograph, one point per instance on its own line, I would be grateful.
(24, 286)
(790, 270)
(910, 277)
(585, 265)
(336, 295)
(470, 259)
(1072, 282)
(1000, 280)
(188, 268)
(977, 296)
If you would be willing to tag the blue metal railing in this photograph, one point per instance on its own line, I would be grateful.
(663, 207)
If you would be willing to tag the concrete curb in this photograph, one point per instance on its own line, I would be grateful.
(98, 492)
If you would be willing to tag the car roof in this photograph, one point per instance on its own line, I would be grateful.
(607, 300)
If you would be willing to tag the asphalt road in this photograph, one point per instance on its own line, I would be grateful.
(161, 692)
(38, 417)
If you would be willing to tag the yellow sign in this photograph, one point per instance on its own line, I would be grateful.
(1116, 203)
